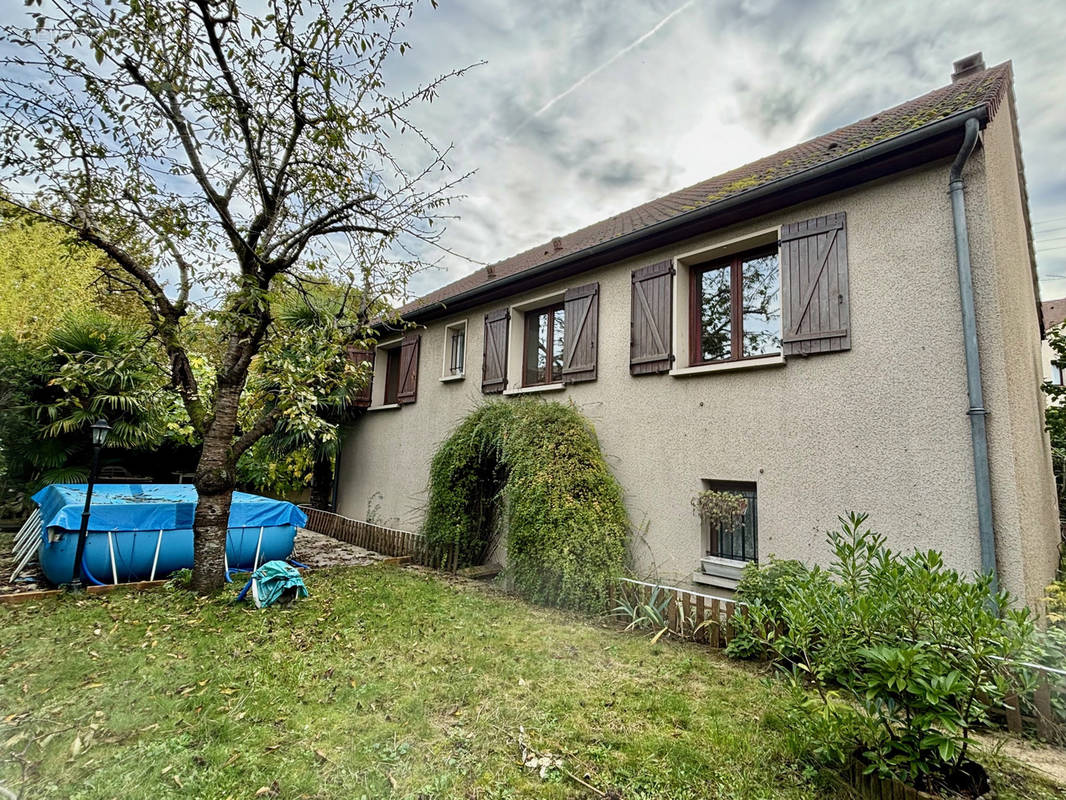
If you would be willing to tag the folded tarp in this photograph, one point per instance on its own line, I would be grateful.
(153, 506)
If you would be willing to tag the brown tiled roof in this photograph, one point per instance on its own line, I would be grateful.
(1054, 312)
(981, 88)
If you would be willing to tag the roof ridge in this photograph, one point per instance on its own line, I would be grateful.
(981, 88)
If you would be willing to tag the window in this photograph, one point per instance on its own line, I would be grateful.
(543, 349)
(456, 350)
(735, 308)
(392, 376)
(1057, 374)
(739, 541)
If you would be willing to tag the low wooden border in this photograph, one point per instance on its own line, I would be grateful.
(387, 541)
(690, 615)
(43, 594)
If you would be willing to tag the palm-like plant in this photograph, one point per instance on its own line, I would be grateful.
(92, 365)
(103, 370)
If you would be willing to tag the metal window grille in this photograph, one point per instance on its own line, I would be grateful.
(458, 345)
(740, 541)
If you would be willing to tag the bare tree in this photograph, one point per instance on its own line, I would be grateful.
(213, 154)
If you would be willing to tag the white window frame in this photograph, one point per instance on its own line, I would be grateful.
(446, 374)
(516, 343)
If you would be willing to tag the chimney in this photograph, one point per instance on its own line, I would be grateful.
(557, 244)
(965, 67)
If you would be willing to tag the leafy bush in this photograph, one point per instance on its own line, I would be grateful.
(536, 467)
(643, 613)
(901, 652)
(766, 585)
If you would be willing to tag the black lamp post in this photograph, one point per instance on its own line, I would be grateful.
(100, 429)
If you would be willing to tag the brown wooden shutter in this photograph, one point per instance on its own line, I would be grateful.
(582, 310)
(494, 365)
(359, 355)
(651, 319)
(408, 390)
(815, 313)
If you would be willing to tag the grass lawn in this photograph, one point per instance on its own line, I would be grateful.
(384, 683)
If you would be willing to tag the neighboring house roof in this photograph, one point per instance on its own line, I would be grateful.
(981, 90)
(1054, 312)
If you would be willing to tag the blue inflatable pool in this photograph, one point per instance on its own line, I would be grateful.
(144, 531)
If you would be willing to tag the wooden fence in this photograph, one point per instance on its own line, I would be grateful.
(387, 541)
(689, 615)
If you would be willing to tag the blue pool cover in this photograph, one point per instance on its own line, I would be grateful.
(153, 506)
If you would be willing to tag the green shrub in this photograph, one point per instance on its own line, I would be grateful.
(536, 468)
(903, 655)
(766, 585)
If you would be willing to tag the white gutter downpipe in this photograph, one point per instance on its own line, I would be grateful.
(977, 412)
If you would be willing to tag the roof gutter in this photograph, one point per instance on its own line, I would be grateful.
(705, 214)
(976, 412)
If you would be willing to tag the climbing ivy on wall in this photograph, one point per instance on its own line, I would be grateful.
(536, 468)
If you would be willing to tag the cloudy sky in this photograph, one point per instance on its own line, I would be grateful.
(588, 107)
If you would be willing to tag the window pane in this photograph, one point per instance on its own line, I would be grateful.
(458, 341)
(762, 305)
(392, 376)
(716, 329)
(558, 334)
(740, 540)
(536, 349)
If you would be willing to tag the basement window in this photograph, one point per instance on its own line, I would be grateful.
(738, 541)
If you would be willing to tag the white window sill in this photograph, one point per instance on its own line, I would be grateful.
(724, 562)
(729, 366)
(548, 387)
(389, 407)
(450, 378)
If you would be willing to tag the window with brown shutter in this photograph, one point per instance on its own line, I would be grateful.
(735, 308)
(582, 305)
(816, 316)
(542, 348)
(407, 391)
(392, 376)
(494, 363)
(357, 356)
(651, 319)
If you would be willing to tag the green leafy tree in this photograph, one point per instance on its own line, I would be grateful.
(307, 364)
(91, 365)
(212, 152)
(44, 276)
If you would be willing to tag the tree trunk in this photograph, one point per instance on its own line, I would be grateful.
(215, 478)
(322, 482)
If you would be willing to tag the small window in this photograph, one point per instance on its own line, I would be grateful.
(736, 308)
(392, 376)
(543, 351)
(455, 350)
(738, 541)
(1057, 374)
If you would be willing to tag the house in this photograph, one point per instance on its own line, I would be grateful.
(789, 330)
(1054, 314)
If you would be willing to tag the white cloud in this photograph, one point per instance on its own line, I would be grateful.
(580, 113)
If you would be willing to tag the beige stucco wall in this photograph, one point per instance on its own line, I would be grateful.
(1012, 369)
(881, 428)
